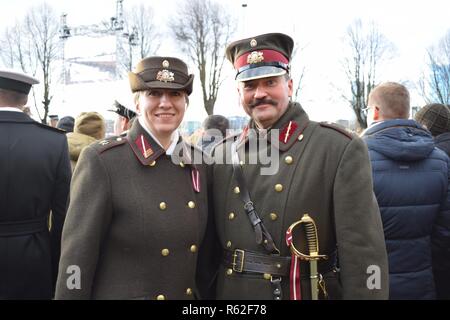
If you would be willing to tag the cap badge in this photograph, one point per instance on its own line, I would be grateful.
(253, 43)
(255, 57)
(165, 76)
(165, 64)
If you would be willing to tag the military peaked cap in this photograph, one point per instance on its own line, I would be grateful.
(16, 81)
(123, 111)
(161, 73)
(266, 55)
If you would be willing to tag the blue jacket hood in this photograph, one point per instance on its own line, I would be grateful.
(400, 139)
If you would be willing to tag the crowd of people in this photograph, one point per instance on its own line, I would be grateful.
(137, 216)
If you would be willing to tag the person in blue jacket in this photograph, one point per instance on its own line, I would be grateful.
(411, 183)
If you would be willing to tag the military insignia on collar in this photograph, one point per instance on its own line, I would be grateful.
(165, 76)
(165, 64)
(253, 43)
(144, 146)
(288, 131)
(255, 57)
(104, 142)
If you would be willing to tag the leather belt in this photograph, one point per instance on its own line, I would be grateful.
(17, 228)
(250, 261)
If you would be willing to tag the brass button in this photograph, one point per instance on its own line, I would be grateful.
(229, 272)
(162, 206)
(193, 248)
(241, 163)
(267, 276)
(273, 216)
(119, 139)
(152, 164)
(288, 159)
(228, 244)
(189, 291)
(278, 187)
(300, 137)
(182, 164)
(191, 204)
(231, 216)
(165, 252)
(237, 190)
(279, 265)
(160, 297)
(265, 241)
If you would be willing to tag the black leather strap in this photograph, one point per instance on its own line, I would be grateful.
(261, 233)
(17, 228)
(250, 261)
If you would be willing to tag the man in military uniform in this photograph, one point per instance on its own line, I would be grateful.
(324, 171)
(137, 217)
(34, 180)
(124, 118)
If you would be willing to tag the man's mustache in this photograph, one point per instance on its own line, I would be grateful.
(258, 102)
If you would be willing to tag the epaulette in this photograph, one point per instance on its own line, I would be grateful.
(50, 128)
(108, 143)
(346, 132)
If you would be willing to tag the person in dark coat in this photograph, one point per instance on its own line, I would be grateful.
(318, 169)
(215, 128)
(34, 180)
(66, 123)
(436, 118)
(138, 209)
(411, 183)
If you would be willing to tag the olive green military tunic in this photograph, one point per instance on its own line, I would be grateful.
(135, 222)
(323, 171)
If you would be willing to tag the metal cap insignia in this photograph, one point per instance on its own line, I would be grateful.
(165, 64)
(253, 43)
(165, 76)
(255, 57)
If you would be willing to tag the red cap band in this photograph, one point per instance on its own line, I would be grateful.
(268, 55)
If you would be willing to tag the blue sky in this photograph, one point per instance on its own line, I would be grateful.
(318, 25)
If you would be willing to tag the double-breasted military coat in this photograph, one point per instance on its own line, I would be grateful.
(135, 222)
(34, 180)
(323, 171)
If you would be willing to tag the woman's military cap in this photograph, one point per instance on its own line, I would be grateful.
(16, 81)
(266, 55)
(161, 73)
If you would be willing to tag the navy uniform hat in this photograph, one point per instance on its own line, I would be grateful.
(16, 81)
(266, 55)
(161, 73)
(123, 111)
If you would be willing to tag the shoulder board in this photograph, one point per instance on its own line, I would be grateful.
(346, 132)
(108, 143)
(50, 128)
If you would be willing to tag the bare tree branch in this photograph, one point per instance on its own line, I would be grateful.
(367, 48)
(203, 29)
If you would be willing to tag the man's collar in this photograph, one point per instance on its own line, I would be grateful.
(10, 109)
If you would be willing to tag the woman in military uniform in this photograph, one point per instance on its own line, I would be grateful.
(137, 218)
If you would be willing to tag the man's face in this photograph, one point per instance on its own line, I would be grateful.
(266, 99)
(120, 125)
(163, 110)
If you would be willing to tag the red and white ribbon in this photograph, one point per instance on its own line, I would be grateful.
(195, 180)
(294, 274)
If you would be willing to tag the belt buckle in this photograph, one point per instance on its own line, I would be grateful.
(235, 255)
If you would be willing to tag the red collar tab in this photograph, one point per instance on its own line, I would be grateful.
(144, 146)
(260, 56)
(288, 131)
(243, 134)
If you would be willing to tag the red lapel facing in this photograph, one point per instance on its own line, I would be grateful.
(288, 131)
(144, 146)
